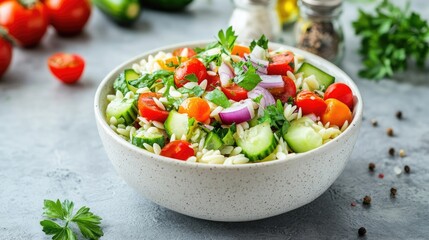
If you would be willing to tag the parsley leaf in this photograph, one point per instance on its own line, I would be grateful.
(87, 222)
(148, 80)
(227, 39)
(389, 38)
(120, 84)
(191, 77)
(218, 97)
(274, 115)
(258, 98)
(262, 42)
(195, 91)
(247, 79)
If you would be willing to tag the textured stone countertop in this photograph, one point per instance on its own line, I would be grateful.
(50, 148)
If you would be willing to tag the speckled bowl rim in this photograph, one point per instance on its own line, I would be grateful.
(357, 111)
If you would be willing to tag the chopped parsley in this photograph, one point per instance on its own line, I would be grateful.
(227, 39)
(195, 91)
(247, 79)
(191, 77)
(218, 97)
(262, 42)
(274, 115)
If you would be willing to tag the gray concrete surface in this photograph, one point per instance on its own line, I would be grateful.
(49, 145)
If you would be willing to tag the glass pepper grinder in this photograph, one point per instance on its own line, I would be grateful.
(252, 18)
(318, 29)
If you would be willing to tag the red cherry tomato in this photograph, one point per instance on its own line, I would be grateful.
(341, 92)
(212, 82)
(26, 24)
(280, 64)
(66, 67)
(179, 150)
(148, 108)
(289, 90)
(68, 17)
(5, 55)
(235, 92)
(309, 102)
(187, 68)
(178, 52)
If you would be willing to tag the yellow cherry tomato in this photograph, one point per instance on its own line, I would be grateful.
(336, 113)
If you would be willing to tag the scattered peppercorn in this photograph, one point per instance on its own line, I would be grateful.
(390, 132)
(407, 169)
(371, 167)
(353, 204)
(393, 191)
(399, 115)
(374, 123)
(362, 231)
(392, 151)
(402, 153)
(381, 175)
(367, 200)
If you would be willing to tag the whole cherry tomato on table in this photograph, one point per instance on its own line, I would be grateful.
(26, 23)
(281, 63)
(68, 17)
(186, 69)
(179, 149)
(148, 108)
(337, 113)
(309, 103)
(66, 67)
(288, 91)
(5, 55)
(341, 92)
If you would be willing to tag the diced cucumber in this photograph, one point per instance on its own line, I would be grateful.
(257, 142)
(227, 135)
(130, 75)
(142, 136)
(179, 125)
(322, 77)
(212, 142)
(301, 137)
(254, 121)
(122, 108)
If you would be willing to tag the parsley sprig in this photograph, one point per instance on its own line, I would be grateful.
(262, 42)
(389, 38)
(226, 39)
(86, 221)
(274, 115)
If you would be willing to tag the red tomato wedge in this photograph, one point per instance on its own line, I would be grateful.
(148, 108)
(235, 92)
(289, 90)
(212, 82)
(66, 67)
(309, 102)
(188, 68)
(179, 150)
(280, 64)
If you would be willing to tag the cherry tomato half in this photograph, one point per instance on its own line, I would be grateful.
(196, 107)
(26, 24)
(212, 82)
(187, 68)
(280, 64)
(68, 17)
(148, 108)
(309, 102)
(179, 150)
(341, 92)
(189, 52)
(235, 92)
(66, 67)
(289, 90)
(5, 55)
(337, 113)
(240, 50)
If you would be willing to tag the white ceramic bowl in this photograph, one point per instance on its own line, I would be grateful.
(229, 193)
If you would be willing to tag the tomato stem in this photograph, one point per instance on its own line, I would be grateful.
(28, 3)
(4, 34)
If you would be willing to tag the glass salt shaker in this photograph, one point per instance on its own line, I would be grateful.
(318, 29)
(252, 18)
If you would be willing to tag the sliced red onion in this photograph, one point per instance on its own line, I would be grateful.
(272, 81)
(260, 65)
(239, 113)
(266, 100)
(258, 53)
(226, 74)
(212, 66)
(312, 116)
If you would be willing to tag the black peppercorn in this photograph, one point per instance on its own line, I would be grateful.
(392, 151)
(367, 200)
(362, 231)
(374, 123)
(371, 167)
(399, 115)
(407, 169)
(390, 132)
(393, 191)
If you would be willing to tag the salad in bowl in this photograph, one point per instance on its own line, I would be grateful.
(228, 103)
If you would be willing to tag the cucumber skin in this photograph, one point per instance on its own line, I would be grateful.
(212, 142)
(171, 127)
(322, 77)
(294, 139)
(138, 141)
(117, 10)
(261, 139)
(166, 5)
(129, 115)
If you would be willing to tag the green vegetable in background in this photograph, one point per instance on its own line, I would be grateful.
(122, 12)
(166, 5)
(390, 38)
(86, 221)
